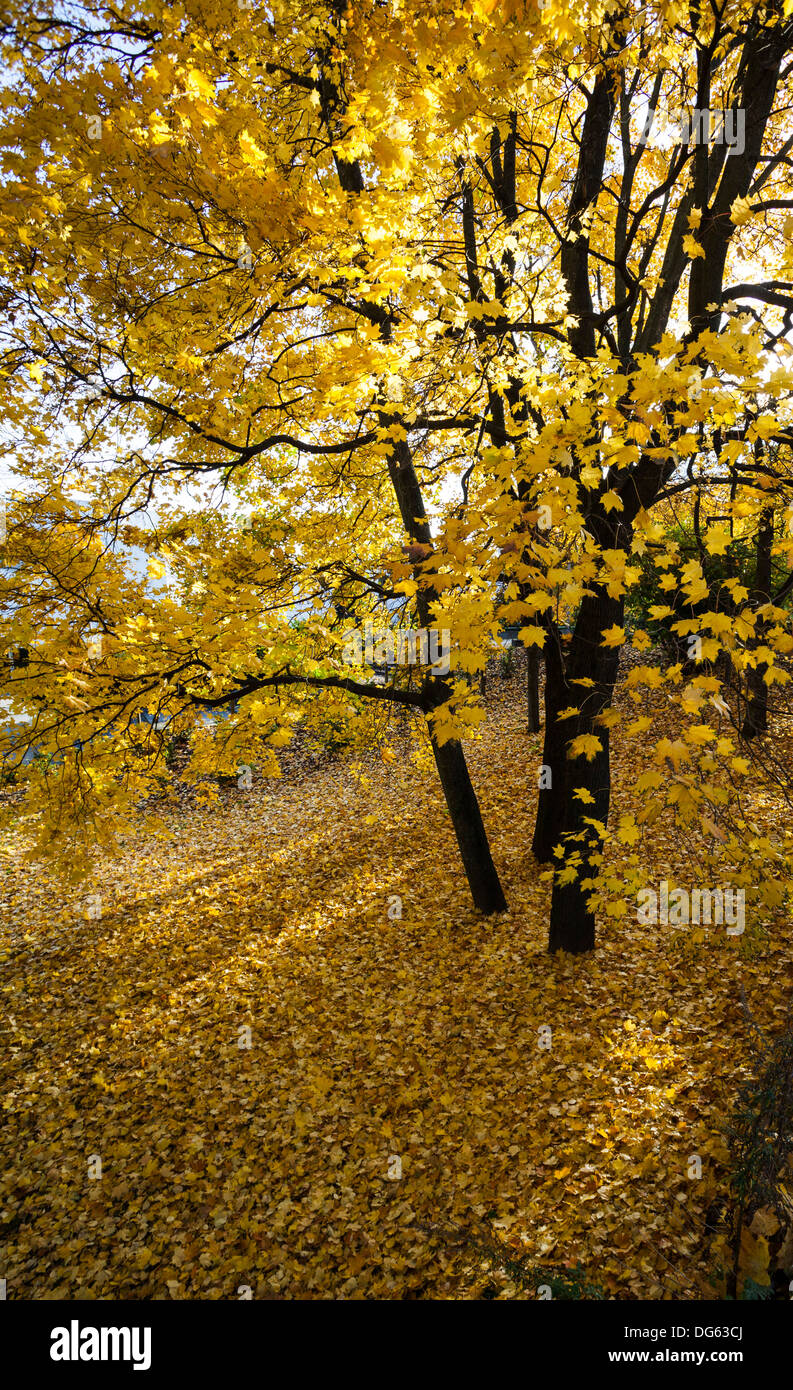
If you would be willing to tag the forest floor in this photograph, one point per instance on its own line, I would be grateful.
(295, 1093)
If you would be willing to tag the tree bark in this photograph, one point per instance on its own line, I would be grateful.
(466, 818)
(756, 717)
(533, 689)
(572, 925)
(553, 773)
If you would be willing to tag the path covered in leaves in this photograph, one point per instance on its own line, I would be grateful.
(371, 1039)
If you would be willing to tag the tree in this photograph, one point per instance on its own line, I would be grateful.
(426, 289)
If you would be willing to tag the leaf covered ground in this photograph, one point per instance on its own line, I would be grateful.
(372, 1038)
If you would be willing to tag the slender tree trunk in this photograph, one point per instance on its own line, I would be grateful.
(469, 828)
(450, 760)
(756, 718)
(533, 689)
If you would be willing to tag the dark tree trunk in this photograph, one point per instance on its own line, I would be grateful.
(756, 717)
(552, 774)
(450, 760)
(533, 689)
(466, 818)
(572, 925)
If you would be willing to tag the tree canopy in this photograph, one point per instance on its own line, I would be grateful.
(397, 313)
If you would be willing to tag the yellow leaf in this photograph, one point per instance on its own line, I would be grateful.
(640, 725)
(628, 832)
(581, 794)
(612, 502)
(753, 1259)
(717, 539)
(740, 212)
(198, 85)
(693, 249)
(586, 745)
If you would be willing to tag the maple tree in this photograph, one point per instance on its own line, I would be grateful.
(430, 321)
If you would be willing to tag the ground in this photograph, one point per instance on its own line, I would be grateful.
(379, 1045)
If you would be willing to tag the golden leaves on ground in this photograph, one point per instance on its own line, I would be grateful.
(290, 1089)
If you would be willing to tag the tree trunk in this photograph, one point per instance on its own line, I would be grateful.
(572, 926)
(756, 718)
(533, 689)
(552, 774)
(450, 760)
(469, 828)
